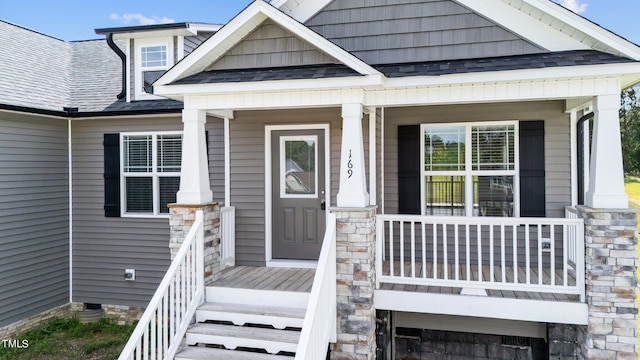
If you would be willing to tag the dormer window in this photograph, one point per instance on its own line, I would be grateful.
(153, 57)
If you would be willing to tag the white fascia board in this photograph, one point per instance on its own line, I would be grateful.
(589, 71)
(196, 28)
(597, 32)
(483, 306)
(154, 34)
(301, 10)
(270, 86)
(524, 25)
(245, 22)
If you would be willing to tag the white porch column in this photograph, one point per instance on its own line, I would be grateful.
(194, 174)
(606, 178)
(353, 188)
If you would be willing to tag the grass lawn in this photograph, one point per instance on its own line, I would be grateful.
(632, 188)
(63, 339)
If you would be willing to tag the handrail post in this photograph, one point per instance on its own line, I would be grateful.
(200, 254)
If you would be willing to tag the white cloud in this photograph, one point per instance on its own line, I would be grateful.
(141, 19)
(574, 5)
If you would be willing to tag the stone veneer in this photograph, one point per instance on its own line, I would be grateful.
(355, 246)
(180, 222)
(611, 241)
(12, 331)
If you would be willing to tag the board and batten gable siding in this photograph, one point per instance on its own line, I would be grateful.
(269, 45)
(103, 247)
(400, 31)
(34, 215)
(248, 170)
(557, 143)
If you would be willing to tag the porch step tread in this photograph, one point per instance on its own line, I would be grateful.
(203, 353)
(231, 336)
(240, 314)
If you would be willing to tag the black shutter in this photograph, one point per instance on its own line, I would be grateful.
(532, 173)
(409, 169)
(111, 175)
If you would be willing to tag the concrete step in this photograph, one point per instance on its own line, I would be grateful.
(232, 337)
(241, 314)
(203, 353)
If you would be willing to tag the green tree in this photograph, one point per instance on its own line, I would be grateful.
(630, 130)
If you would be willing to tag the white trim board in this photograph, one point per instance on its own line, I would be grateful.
(268, 193)
(467, 324)
(486, 307)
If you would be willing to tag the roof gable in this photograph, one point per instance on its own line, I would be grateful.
(541, 22)
(268, 46)
(395, 31)
(242, 26)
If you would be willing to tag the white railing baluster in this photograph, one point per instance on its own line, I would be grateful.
(503, 254)
(401, 248)
(515, 254)
(424, 251)
(445, 253)
(492, 263)
(457, 250)
(164, 323)
(475, 231)
(413, 249)
(553, 255)
(527, 250)
(540, 273)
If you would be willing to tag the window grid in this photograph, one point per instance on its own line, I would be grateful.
(472, 171)
(161, 170)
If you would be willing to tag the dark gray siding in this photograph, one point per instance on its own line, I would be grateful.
(397, 31)
(34, 215)
(104, 247)
(192, 42)
(270, 46)
(248, 171)
(557, 142)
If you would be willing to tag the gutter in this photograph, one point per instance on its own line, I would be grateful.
(123, 58)
(72, 113)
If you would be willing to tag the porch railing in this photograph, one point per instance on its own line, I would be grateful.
(228, 235)
(482, 253)
(164, 323)
(319, 326)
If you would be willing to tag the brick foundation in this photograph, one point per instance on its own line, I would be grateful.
(611, 240)
(355, 246)
(180, 222)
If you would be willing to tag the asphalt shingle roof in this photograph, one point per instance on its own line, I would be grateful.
(503, 63)
(280, 73)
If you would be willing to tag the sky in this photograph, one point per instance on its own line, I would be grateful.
(76, 19)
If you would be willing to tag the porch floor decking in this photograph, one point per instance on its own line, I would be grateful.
(462, 271)
(266, 278)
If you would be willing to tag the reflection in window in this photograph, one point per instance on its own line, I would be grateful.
(493, 196)
(300, 167)
(445, 195)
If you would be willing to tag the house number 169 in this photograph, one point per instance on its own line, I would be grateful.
(350, 166)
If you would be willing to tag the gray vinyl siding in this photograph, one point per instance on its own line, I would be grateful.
(397, 31)
(192, 42)
(215, 144)
(557, 142)
(104, 247)
(270, 46)
(34, 215)
(248, 171)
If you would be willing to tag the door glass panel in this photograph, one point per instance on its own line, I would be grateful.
(298, 157)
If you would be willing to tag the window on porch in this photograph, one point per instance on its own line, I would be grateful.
(469, 169)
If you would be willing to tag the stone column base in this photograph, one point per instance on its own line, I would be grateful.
(180, 222)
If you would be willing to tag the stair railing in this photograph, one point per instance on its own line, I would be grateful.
(164, 323)
(319, 326)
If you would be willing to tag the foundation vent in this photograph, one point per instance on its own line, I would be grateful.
(516, 341)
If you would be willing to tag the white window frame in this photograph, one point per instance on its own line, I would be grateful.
(468, 173)
(154, 174)
(138, 85)
(283, 167)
